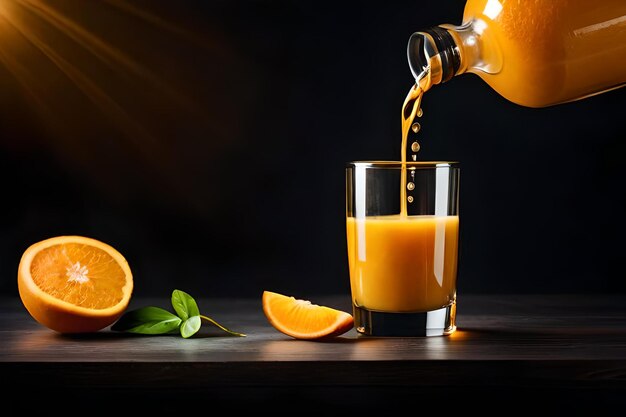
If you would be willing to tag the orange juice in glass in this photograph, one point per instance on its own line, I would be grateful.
(403, 257)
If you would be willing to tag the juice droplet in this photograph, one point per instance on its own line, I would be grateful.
(409, 199)
(415, 127)
(410, 186)
(414, 157)
(415, 147)
(420, 113)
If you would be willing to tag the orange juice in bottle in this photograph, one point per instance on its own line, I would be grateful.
(535, 53)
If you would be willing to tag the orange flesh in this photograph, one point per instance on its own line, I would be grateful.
(79, 274)
(303, 320)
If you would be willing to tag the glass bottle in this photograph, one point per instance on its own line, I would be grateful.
(535, 53)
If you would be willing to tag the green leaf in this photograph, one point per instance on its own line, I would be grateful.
(184, 305)
(190, 326)
(216, 324)
(147, 320)
(155, 320)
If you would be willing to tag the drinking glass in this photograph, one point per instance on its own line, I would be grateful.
(402, 224)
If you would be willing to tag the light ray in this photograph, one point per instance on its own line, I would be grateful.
(97, 100)
(109, 55)
(106, 104)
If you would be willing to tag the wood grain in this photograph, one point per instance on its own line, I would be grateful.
(559, 348)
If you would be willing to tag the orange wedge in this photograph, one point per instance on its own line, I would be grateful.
(302, 320)
(74, 284)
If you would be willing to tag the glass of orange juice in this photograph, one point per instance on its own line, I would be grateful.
(403, 235)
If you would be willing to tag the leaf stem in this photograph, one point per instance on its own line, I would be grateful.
(213, 322)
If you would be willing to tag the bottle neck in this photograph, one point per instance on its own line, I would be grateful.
(433, 52)
(445, 51)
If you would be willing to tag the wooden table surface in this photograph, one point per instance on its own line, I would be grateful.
(568, 350)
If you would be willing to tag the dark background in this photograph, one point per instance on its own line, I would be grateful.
(207, 140)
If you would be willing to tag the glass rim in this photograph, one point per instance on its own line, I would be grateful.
(399, 164)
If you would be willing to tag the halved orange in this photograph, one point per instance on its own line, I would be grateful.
(74, 284)
(301, 319)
